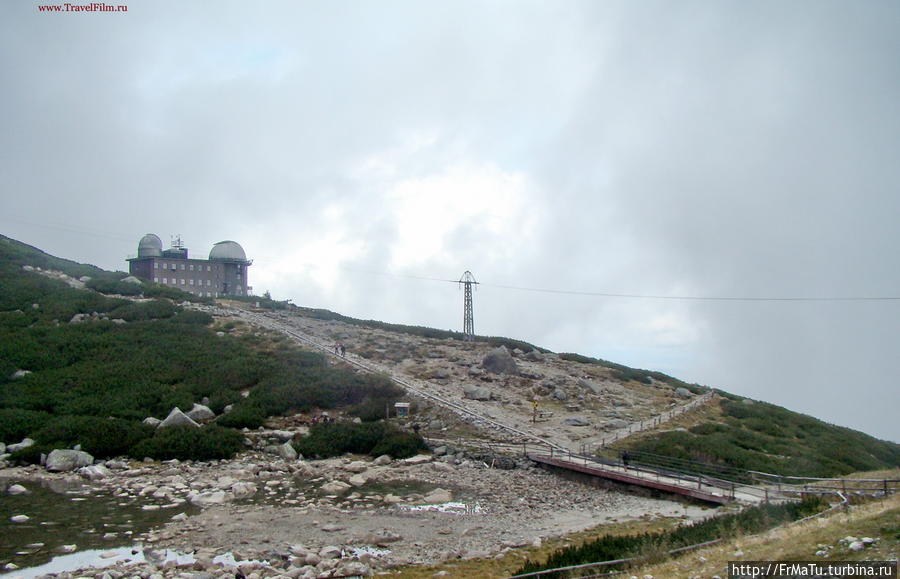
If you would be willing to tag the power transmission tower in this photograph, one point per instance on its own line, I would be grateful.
(467, 281)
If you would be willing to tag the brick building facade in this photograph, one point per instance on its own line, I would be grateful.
(223, 274)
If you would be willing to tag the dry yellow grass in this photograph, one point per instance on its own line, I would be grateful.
(799, 541)
(513, 560)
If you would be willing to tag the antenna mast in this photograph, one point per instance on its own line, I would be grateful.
(467, 281)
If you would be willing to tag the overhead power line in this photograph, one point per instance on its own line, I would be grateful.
(644, 296)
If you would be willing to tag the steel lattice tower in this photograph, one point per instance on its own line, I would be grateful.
(467, 281)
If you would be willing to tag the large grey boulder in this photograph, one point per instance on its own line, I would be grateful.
(132, 279)
(94, 472)
(61, 460)
(287, 452)
(177, 418)
(20, 374)
(577, 422)
(500, 361)
(683, 392)
(200, 413)
(437, 496)
(152, 421)
(26, 442)
(590, 386)
(242, 490)
(335, 487)
(476, 393)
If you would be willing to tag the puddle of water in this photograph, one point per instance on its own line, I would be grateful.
(455, 508)
(101, 558)
(66, 512)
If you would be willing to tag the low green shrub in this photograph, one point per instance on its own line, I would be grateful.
(111, 284)
(30, 455)
(16, 423)
(243, 415)
(100, 437)
(373, 438)
(193, 317)
(211, 442)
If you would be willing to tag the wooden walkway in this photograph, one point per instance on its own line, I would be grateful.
(696, 487)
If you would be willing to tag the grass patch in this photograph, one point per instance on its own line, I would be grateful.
(764, 437)
(611, 546)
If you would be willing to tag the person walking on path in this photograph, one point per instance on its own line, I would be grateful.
(343, 350)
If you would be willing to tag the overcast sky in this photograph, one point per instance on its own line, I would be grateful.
(700, 149)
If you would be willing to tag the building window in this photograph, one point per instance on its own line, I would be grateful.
(182, 282)
(165, 280)
(156, 280)
(192, 282)
(155, 265)
(182, 267)
(192, 267)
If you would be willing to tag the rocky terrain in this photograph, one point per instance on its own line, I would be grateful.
(270, 513)
(578, 405)
(330, 518)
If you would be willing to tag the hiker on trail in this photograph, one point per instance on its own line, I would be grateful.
(337, 348)
(343, 350)
(625, 458)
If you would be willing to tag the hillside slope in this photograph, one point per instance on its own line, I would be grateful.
(167, 354)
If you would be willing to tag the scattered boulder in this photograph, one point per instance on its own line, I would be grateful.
(577, 422)
(358, 480)
(335, 487)
(437, 496)
(177, 418)
(281, 435)
(20, 374)
(534, 356)
(330, 552)
(382, 539)
(152, 421)
(560, 395)
(357, 466)
(683, 392)
(65, 460)
(417, 459)
(382, 460)
(93, 471)
(20, 518)
(209, 498)
(17, 490)
(590, 386)
(477, 393)
(200, 413)
(132, 279)
(287, 452)
(242, 490)
(500, 361)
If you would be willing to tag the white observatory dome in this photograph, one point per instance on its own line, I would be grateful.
(150, 246)
(227, 251)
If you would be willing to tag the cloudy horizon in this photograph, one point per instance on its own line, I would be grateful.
(699, 149)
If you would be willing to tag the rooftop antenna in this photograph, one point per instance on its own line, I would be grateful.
(467, 281)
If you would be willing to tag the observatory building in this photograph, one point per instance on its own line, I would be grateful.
(223, 274)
